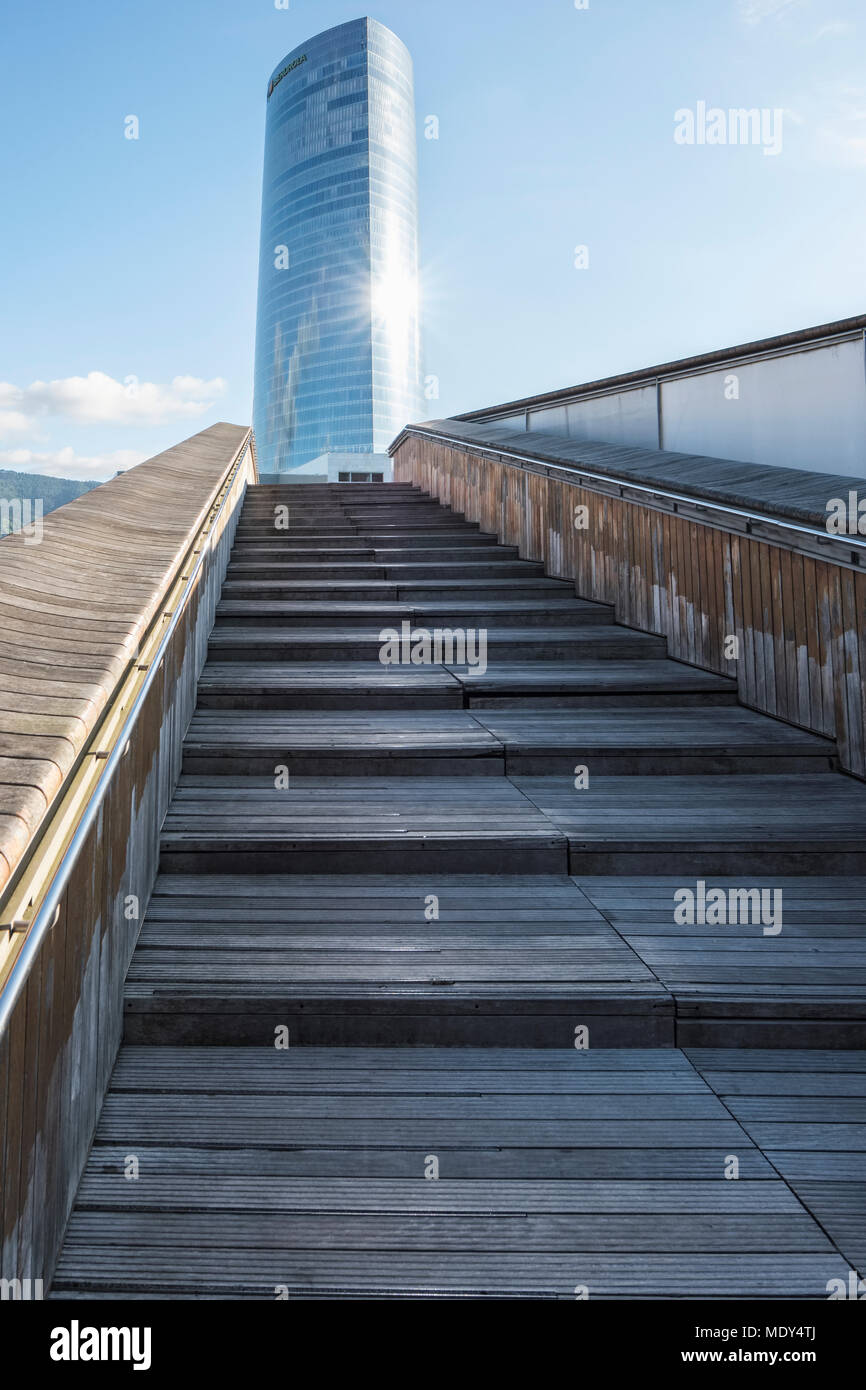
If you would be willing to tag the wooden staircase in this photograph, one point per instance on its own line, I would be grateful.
(434, 911)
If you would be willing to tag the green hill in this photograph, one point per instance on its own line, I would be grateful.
(20, 487)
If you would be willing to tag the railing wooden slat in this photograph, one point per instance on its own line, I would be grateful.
(800, 620)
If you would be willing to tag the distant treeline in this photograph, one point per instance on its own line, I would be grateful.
(20, 487)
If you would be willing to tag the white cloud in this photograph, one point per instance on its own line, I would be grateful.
(100, 399)
(14, 422)
(835, 29)
(753, 12)
(65, 463)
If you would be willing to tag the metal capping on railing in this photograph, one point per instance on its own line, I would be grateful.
(31, 883)
(762, 349)
(793, 535)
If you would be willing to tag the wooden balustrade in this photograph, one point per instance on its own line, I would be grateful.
(88, 608)
(696, 571)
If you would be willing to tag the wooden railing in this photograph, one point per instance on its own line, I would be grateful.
(113, 608)
(772, 601)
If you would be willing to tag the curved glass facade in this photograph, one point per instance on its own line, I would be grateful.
(337, 338)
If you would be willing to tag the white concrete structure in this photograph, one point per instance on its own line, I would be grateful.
(793, 402)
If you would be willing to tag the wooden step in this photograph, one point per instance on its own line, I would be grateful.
(357, 685)
(509, 958)
(442, 612)
(377, 743)
(271, 519)
(315, 644)
(548, 685)
(396, 572)
(522, 684)
(305, 1169)
(380, 532)
(406, 591)
(708, 824)
(383, 555)
(630, 741)
(343, 825)
(633, 741)
(804, 985)
(414, 540)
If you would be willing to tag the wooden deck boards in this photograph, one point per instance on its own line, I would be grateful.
(452, 1033)
(339, 1207)
(813, 969)
(275, 685)
(613, 740)
(524, 956)
(803, 1103)
(248, 642)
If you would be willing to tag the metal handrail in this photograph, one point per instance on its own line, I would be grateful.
(48, 910)
(565, 466)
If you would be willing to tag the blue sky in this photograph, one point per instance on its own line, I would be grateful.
(129, 267)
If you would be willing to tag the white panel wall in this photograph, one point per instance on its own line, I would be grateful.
(623, 417)
(806, 410)
(553, 418)
(803, 410)
(629, 417)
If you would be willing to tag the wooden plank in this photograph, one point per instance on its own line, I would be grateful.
(137, 1234)
(90, 590)
(195, 1191)
(632, 1219)
(850, 674)
(836, 655)
(503, 1274)
(16, 1156)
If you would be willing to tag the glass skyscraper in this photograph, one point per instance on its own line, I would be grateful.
(337, 341)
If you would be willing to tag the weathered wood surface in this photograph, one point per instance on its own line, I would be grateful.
(436, 742)
(522, 959)
(710, 823)
(107, 557)
(347, 958)
(74, 607)
(249, 642)
(369, 685)
(556, 1169)
(732, 980)
(807, 1112)
(800, 618)
(415, 770)
(452, 1033)
(331, 824)
(786, 494)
